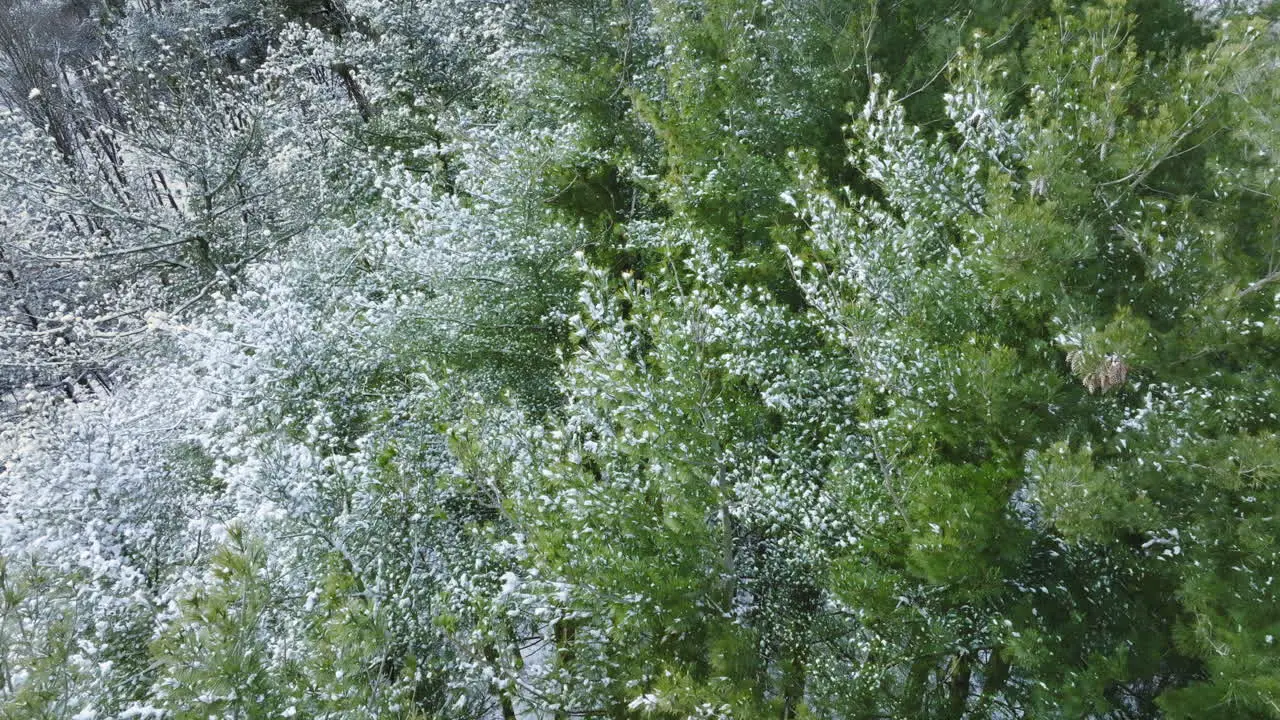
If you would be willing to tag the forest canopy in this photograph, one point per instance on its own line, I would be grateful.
(627, 359)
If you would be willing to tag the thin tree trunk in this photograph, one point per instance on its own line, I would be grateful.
(504, 697)
(793, 684)
(961, 676)
(913, 694)
(994, 677)
(348, 77)
(565, 630)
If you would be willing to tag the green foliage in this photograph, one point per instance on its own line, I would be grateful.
(711, 359)
(213, 657)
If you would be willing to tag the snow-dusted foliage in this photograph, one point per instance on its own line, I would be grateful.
(624, 359)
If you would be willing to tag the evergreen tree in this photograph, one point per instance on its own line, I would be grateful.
(623, 359)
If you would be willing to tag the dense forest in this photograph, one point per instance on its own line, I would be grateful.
(639, 359)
